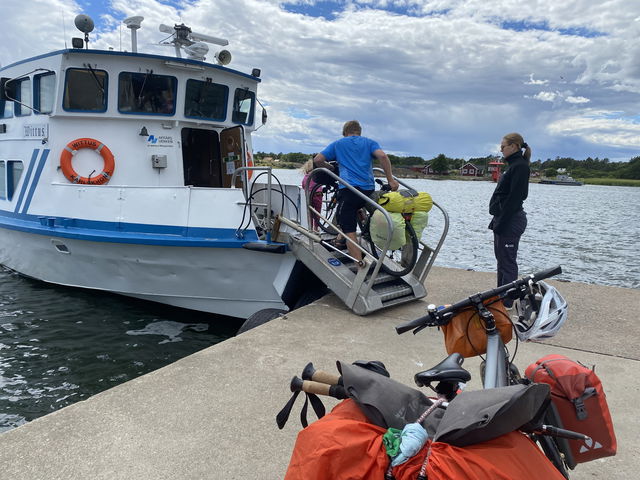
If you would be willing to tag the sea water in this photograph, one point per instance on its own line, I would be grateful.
(60, 345)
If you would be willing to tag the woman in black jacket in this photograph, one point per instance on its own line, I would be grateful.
(509, 219)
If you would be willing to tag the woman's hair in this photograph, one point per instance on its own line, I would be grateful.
(516, 139)
(351, 127)
(307, 166)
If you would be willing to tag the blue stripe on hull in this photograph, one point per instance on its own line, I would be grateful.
(36, 178)
(27, 177)
(114, 232)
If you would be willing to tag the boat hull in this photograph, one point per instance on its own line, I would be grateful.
(227, 281)
(559, 182)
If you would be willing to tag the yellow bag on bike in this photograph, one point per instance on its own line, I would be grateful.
(406, 201)
(378, 230)
(466, 334)
(419, 221)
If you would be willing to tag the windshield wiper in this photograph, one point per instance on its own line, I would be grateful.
(95, 77)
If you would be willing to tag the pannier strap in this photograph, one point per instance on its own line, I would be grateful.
(578, 403)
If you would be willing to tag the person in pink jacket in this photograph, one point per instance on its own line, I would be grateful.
(307, 185)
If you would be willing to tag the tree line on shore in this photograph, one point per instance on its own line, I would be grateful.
(586, 168)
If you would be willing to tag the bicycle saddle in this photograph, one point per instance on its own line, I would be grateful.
(448, 370)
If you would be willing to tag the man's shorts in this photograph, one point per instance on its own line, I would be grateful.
(348, 205)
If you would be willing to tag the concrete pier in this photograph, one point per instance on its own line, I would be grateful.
(212, 415)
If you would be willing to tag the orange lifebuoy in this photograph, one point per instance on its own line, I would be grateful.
(72, 148)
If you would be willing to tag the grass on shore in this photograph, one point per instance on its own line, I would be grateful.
(615, 182)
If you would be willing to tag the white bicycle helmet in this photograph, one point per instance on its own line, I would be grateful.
(541, 314)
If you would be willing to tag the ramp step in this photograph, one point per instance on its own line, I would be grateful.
(389, 292)
(400, 300)
(339, 273)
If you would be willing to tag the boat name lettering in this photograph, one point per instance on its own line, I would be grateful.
(160, 141)
(36, 130)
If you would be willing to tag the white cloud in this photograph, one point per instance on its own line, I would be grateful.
(531, 81)
(576, 100)
(600, 127)
(546, 96)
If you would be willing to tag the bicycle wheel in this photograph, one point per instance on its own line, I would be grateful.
(403, 259)
(329, 196)
(551, 451)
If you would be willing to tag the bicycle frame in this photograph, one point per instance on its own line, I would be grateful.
(495, 373)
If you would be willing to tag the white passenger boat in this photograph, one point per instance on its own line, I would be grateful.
(132, 173)
(116, 174)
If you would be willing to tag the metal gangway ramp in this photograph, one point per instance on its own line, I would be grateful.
(363, 288)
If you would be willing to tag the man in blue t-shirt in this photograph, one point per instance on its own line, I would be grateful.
(355, 155)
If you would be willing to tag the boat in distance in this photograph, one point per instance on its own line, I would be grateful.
(128, 172)
(561, 179)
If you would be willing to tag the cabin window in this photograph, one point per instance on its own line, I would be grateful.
(10, 173)
(3, 180)
(14, 173)
(85, 90)
(243, 106)
(23, 96)
(6, 109)
(147, 93)
(45, 89)
(206, 100)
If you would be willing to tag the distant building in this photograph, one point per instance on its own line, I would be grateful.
(495, 169)
(428, 170)
(470, 170)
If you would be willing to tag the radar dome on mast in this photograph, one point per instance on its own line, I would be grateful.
(133, 23)
(84, 23)
(193, 43)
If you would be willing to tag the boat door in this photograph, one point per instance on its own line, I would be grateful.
(232, 149)
(201, 158)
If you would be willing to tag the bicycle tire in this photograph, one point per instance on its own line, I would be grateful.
(329, 202)
(405, 258)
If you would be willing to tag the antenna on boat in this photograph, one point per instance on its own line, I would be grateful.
(194, 44)
(84, 23)
(133, 23)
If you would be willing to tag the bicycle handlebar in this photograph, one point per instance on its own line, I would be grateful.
(444, 315)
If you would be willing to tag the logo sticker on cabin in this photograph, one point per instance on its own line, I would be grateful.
(40, 130)
(160, 141)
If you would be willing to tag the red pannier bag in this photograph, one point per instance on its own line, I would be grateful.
(343, 445)
(578, 397)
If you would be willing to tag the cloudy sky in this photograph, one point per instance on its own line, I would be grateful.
(423, 76)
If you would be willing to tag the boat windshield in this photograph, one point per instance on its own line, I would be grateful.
(243, 106)
(85, 89)
(146, 93)
(206, 100)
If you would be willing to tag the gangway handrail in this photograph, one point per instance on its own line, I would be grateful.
(378, 262)
(445, 230)
(434, 252)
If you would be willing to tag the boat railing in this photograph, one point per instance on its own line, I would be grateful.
(268, 224)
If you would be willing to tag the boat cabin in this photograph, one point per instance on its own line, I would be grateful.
(184, 121)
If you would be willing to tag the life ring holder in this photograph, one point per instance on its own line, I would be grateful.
(69, 151)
